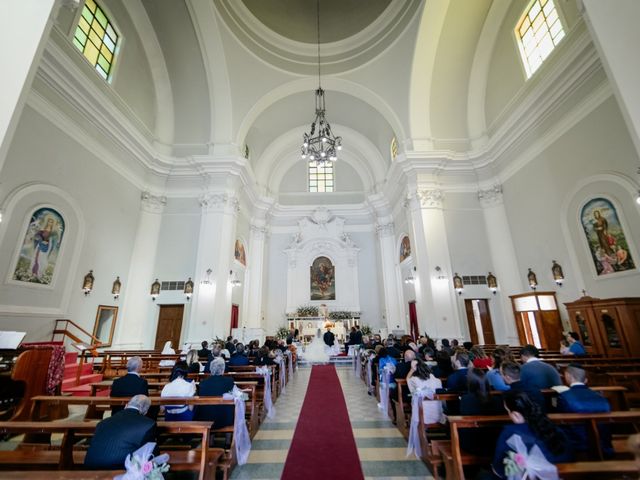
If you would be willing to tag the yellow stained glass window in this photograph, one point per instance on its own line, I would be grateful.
(96, 38)
(538, 32)
(320, 177)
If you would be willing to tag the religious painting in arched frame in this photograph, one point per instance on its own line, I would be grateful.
(605, 235)
(323, 279)
(40, 247)
(239, 253)
(405, 248)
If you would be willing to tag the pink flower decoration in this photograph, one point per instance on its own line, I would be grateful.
(520, 460)
(147, 467)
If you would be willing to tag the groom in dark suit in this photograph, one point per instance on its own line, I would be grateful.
(329, 337)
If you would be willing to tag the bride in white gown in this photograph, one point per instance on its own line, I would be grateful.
(316, 351)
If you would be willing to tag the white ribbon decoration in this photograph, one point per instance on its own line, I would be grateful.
(281, 373)
(240, 431)
(536, 466)
(290, 355)
(388, 369)
(268, 402)
(369, 374)
(414, 438)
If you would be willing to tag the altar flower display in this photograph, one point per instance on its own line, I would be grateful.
(520, 464)
(142, 465)
(307, 311)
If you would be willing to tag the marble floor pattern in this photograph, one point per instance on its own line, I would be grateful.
(380, 445)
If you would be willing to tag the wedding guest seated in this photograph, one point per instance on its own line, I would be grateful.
(230, 345)
(204, 352)
(224, 351)
(392, 351)
(130, 384)
(167, 350)
(581, 399)
(179, 386)
(480, 359)
(444, 366)
(263, 358)
(385, 359)
(457, 381)
(500, 355)
(293, 349)
(511, 373)
(420, 377)
(536, 373)
(121, 434)
(253, 348)
(575, 347)
(239, 358)
(193, 363)
(215, 386)
(446, 346)
(534, 428)
(479, 401)
(281, 346)
(454, 344)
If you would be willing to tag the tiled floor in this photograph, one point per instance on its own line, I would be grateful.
(381, 448)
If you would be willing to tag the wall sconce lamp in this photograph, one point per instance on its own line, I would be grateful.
(115, 289)
(155, 290)
(492, 283)
(533, 280)
(558, 274)
(87, 283)
(458, 284)
(188, 289)
(440, 274)
(234, 281)
(207, 280)
(410, 280)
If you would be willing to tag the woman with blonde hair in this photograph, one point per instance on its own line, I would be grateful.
(192, 361)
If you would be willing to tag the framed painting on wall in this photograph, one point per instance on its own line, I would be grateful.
(405, 248)
(40, 247)
(607, 240)
(323, 279)
(105, 324)
(239, 253)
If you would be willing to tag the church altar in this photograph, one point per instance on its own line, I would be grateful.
(308, 326)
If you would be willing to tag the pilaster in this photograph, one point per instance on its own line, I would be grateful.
(395, 317)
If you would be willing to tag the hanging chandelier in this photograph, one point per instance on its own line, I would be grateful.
(320, 144)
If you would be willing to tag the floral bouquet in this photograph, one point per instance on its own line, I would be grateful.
(520, 464)
(142, 465)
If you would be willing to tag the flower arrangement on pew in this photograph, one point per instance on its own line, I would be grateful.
(142, 465)
(522, 465)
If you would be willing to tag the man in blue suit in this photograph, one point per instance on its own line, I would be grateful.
(239, 358)
(457, 381)
(581, 399)
(121, 434)
(534, 372)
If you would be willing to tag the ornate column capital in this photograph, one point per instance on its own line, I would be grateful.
(385, 229)
(430, 198)
(491, 196)
(211, 202)
(259, 231)
(152, 203)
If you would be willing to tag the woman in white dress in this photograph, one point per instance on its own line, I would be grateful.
(421, 378)
(316, 352)
(167, 350)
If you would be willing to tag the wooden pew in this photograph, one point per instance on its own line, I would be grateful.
(203, 460)
(455, 459)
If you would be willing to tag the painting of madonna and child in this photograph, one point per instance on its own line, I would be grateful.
(607, 240)
(40, 248)
(323, 279)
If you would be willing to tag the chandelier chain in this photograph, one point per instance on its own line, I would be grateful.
(318, 34)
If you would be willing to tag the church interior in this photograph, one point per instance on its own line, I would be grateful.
(412, 176)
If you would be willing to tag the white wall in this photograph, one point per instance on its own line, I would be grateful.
(100, 238)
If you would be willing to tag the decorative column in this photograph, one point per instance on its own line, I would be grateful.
(254, 274)
(135, 328)
(390, 280)
(211, 310)
(613, 28)
(439, 312)
(24, 30)
(503, 259)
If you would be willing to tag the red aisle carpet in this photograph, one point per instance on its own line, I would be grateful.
(323, 446)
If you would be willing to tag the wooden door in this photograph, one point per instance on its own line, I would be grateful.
(485, 321)
(169, 326)
(414, 330)
(235, 313)
(550, 329)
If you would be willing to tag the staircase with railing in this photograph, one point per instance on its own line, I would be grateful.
(78, 373)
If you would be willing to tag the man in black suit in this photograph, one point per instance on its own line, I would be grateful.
(357, 336)
(392, 351)
(204, 352)
(130, 384)
(215, 386)
(510, 371)
(121, 434)
(329, 337)
(230, 345)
